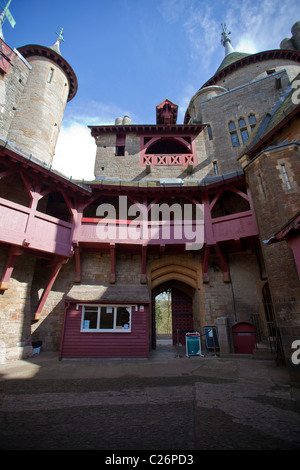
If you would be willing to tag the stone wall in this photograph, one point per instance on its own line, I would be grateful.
(40, 109)
(11, 88)
(128, 167)
(276, 201)
(258, 70)
(256, 98)
(238, 301)
(16, 309)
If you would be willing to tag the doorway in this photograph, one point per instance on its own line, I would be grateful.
(172, 314)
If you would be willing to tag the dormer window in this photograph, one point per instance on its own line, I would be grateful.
(166, 112)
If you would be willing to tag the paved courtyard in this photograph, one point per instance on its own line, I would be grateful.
(167, 402)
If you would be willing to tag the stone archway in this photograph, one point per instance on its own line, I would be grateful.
(181, 274)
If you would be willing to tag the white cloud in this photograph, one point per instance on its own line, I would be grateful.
(76, 149)
(75, 152)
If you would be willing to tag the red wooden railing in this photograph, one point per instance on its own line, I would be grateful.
(22, 226)
(168, 159)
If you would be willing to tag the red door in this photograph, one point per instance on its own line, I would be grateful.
(182, 316)
(244, 338)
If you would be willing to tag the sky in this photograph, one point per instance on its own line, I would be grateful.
(129, 55)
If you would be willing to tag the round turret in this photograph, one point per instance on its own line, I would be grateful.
(37, 120)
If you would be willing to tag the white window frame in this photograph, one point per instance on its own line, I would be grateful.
(98, 307)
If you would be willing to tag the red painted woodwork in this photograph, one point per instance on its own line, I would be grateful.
(244, 338)
(166, 112)
(13, 254)
(22, 226)
(182, 316)
(134, 232)
(52, 278)
(168, 160)
(5, 56)
(235, 226)
(76, 344)
(231, 227)
(184, 155)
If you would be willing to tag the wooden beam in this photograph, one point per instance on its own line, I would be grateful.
(77, 262)
(51, 280)
(13, 254)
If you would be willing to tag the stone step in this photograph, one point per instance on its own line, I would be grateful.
(263, 353)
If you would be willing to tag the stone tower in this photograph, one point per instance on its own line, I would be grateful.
(50, 85)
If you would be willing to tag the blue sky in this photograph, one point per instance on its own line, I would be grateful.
(129, 55)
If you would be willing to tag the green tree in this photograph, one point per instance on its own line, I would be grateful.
(163, 310)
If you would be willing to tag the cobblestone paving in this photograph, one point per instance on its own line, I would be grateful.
(180, 413)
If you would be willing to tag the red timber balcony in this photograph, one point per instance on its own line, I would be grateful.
(171, 216)
(233, 227)
(168, 150)
(21, 226)
(131, 232)
(36, 205)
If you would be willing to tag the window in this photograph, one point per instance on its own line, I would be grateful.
(210, 136)
(50, 76)
(286, 178)
(215, 167)
(233, 134)
(120, 145)
(252, 121)
(243, 129)
(106, 318)
(262, 186)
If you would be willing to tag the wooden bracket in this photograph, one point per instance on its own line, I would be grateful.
(54, 273)
(77, 262)
(13, 254)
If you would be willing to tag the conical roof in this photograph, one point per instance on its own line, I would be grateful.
(53, 53)
(231, 58)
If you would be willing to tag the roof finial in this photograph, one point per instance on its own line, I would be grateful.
(225, 40)
(59, 39)
(60, 35)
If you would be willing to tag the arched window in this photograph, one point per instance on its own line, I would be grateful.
(252, 121)
(243, 130)
(233, 134)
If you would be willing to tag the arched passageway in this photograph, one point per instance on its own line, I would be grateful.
(180, 277)
(179, 309)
